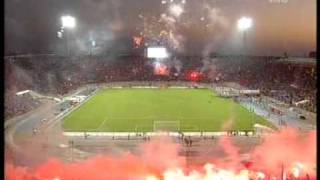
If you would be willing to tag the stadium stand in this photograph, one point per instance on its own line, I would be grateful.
(285, 80)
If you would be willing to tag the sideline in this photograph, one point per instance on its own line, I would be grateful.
(173, 134)
(60, 116)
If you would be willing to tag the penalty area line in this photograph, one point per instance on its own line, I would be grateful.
(102, 124)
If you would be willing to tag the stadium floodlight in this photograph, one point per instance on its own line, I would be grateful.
(59, 34)
(244, 23)
(157, 52)
(68, 22)
(93, 43)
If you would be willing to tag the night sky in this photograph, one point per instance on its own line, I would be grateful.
(204, 25)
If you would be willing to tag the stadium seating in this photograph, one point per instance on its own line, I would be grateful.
(55, 75)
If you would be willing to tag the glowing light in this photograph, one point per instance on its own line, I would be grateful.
(296, 170)
(59, 34)
(163, 2)
(137, 41)
(93, 43)
(157, 52)
(161, 161)
(244, 23)
(160, 69)
(163, 33)
(151, 178)
(261, 175)
(68, 21)
(176, 10)
(210, 173)
(194, 76)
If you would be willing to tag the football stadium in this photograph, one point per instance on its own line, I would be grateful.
(160, 90)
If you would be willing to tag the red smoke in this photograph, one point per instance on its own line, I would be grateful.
(285, 149)
(137, 41)
(194, 76)
(161, 69)
(159, 159)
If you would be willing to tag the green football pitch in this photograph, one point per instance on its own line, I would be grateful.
(147, 110)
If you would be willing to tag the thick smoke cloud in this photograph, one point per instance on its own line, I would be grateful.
(285, 149)
(209, 65)
(158, 159)
(177, 64)
(33, 30)
(218, 25)
(37, 29)
(101, 22)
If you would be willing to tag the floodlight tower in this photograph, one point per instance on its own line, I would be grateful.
(92, 45)
(68, 22)
(244, 24)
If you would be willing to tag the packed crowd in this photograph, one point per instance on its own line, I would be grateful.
(287, 82)
(54, 75)
(15, 105)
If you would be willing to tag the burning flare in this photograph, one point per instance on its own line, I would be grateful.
(286, 154)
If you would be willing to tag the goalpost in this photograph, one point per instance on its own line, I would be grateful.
(172, 126)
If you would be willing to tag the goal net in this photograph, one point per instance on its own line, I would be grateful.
(168, 126)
